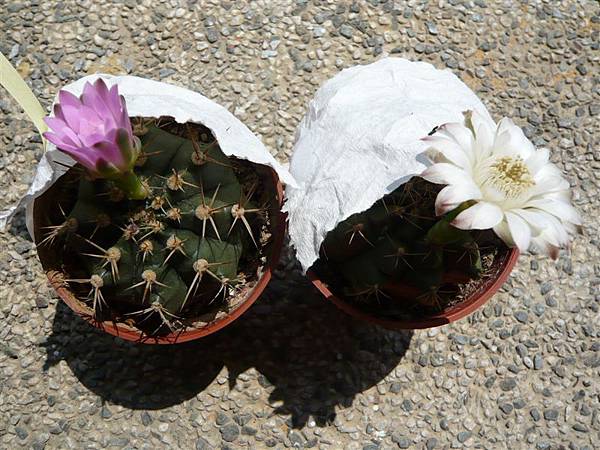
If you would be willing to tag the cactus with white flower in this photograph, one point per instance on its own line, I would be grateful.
(159, 222)
(487, 189)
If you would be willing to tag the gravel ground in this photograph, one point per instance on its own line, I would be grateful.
(521, 373)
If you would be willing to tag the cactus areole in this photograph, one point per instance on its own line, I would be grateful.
(162, 238)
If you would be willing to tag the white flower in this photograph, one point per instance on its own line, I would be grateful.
(515, 189)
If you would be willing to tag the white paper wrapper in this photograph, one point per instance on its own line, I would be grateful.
(149, 98)
(360, 140)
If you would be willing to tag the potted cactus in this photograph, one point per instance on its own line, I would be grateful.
(433, 224)
(145, 226)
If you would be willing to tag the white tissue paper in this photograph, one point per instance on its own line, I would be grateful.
(148, 98)
(360, 140)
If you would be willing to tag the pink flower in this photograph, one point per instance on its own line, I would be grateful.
(95, 130)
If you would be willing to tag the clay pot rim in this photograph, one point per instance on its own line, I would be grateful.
(445, 317)
(128, 333)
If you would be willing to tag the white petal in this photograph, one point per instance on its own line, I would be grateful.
(459, 133)
(445, 173)
(484, 135)
(537, 160)
(564, 211)
(544, 247)
(450, 149)
(545, 224)
(480, 216)
(510, 141)
(503, 232)
(549, 189)
(452, 196)
(519, 230)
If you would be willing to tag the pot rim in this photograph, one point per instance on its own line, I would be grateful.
(124, 331)
(452, 314)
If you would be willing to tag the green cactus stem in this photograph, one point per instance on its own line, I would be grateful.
(398, 256)
(188, 240)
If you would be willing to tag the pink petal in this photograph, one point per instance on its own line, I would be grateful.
(85, 157)
(125, 121)
(59, 142)
(72, 116)
(58, 112)
(114, 102)
(55, 124)
(480, 216)
(92, 100)
(65, 98)
(109, 152)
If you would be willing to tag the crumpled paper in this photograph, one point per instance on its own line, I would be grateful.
(360, 140)
(150, 98)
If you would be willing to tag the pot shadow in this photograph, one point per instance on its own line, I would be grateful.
(309, 355)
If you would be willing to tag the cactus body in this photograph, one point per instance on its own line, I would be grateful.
(157, 258)
(399, 242)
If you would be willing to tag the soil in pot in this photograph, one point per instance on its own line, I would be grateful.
(398, 262)
(188, 255)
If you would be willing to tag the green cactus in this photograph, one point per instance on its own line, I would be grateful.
(399, 249)
(155, 261)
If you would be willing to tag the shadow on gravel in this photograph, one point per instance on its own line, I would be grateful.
(310, 357)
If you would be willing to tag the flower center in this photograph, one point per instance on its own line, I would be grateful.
(510, 175)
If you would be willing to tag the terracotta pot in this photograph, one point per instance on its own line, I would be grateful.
(504, 265)
(124, 331)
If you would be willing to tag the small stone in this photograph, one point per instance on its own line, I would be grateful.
(546, 287)
(521, 316)
(432, 28)
(535, 414)
(401, 441)
(506, 408)
(248, 430)
(431, 443)
(508, 384)
(221, 418)
(41, 302)
(165, 72)
(296, 439)
(202, 444)
(437, 360)
(407, 405)
(582, 428)
(230, 432)
(551, 414)
(346, 31)
(538, 362)
(519, 403)
(21, 433)
(146, 418)
(463, 436)
(105, 413)
(212, 35)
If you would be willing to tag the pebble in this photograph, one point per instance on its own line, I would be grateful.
(230, 432)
